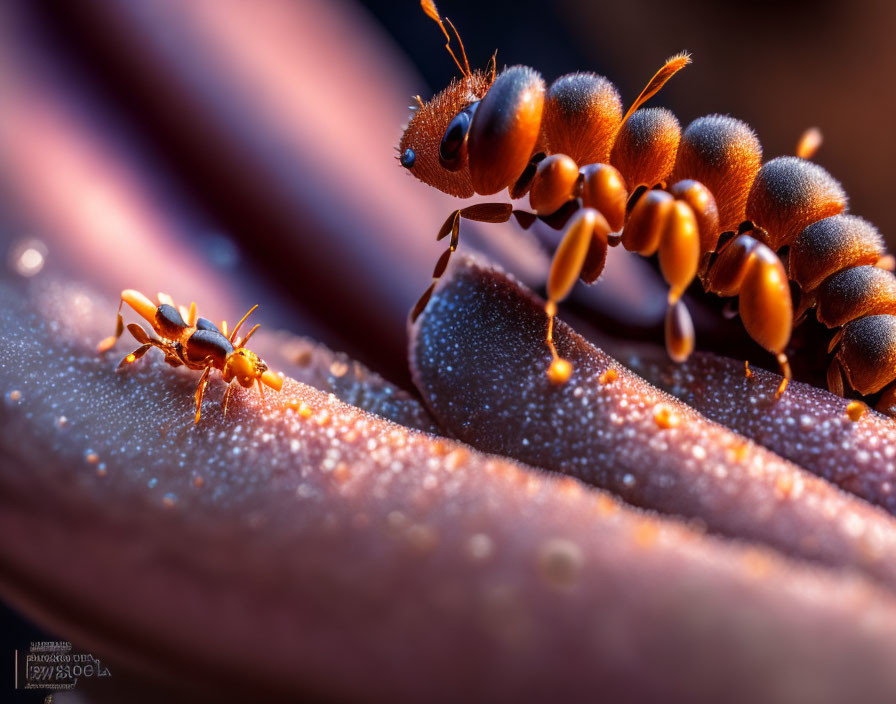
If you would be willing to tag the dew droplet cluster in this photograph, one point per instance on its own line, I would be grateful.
(479, 356)
(843, 441)
(303, 510)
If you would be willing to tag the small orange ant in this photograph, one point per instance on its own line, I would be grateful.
(194, 342)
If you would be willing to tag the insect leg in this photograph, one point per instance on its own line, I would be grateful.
(566, 266)
(679, 255)
(887, 402)
(200, 391)
(137, 301)
(482, 212)
(748, 268)
(134, 356)
(226, 400)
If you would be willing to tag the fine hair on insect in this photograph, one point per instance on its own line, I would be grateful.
(194, 342)
(775, 235)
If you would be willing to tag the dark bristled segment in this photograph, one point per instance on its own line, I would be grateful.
(300, 547)
(478, 357)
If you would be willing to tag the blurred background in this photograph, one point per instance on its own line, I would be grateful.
(235, 153)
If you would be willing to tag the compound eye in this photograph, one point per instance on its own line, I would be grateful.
(408, 158)
(452, 148)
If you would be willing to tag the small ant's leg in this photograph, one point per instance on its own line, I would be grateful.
(140, 335)
(809, 143)
(260, 388)
(226, 400)
(200, 391)
(137, 301)
(223, 328)
(566, 267)
(134, 356)
(108, 343)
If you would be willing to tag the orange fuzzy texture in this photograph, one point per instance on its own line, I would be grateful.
(724, 155)
(427, 126)
(645, 147)
(582, 112)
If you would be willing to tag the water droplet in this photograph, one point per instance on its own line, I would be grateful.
(783, 485)
(61, 422)
(560, 562)
(559, 371)
(628, 480)
(665, 417)
(27, 257)
(608, 377)
(855, 410)
(152, 483)
(338, 368)
(14, 397)
(91, 457)
(169, 499)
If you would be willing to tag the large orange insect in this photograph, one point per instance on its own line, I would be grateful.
(701, 199)
(196, 343)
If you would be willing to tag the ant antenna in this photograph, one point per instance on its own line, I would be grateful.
(673, 65)
(429, 7)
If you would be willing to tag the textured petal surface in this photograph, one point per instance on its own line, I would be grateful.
(301, 546)
(479, 359)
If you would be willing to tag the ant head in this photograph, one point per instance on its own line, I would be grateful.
(245, 366)
(434, 144)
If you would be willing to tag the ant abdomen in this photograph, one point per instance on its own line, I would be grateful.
(646, 146)
(724, 155)
(831, 245)
(856, 293)
(582, 113)
(865, 354)
(789, 194)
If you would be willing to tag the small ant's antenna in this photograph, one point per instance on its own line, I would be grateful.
(429, 7)
(673, 65)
